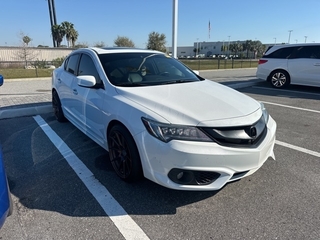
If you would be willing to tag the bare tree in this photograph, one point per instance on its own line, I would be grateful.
(26, 53)
(99, 44)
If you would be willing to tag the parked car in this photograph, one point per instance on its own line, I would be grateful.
(159, 119)
(5, 198)
(286, 64)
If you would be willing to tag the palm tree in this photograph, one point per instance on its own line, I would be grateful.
(68, 30)
(26, 40)
(58, 33)
(73, 36)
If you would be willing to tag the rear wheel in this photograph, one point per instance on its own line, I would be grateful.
(279, 79)
(57, 109)
(124, 155)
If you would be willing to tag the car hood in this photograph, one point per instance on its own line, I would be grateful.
(203, 103)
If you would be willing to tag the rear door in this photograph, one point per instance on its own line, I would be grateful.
(64, 86)
(304, 66)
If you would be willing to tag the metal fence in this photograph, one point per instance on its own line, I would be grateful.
(219, 63)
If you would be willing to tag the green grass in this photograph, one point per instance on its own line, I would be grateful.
(195, 64)
(10, 73)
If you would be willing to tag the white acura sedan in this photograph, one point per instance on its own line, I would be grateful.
(159, 119)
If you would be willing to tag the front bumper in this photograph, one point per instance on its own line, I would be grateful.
(159, 158)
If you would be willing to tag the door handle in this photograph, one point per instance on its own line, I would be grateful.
(75, 92)
(317, 64)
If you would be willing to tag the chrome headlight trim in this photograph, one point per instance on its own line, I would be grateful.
(168, 132)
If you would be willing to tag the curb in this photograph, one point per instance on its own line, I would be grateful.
(24, 112)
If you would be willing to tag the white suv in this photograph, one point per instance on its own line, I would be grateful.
(291, 64)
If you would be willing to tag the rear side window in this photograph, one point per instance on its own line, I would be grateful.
(307, 52)
(282, 53)
(71, 64)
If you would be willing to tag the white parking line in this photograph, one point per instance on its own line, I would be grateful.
(304, 150)
(297, 108)
(125, 224)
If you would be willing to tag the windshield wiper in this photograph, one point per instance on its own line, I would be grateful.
(178, 81)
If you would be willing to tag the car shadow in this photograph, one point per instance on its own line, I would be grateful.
(40, 178)
(292, 91)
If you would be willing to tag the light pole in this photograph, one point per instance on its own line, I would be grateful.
(197, 47)
(275, 40)
(305, 39)
(228, 45)
(174, 28)
(289, 35)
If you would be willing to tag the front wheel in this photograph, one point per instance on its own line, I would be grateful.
(124, 155)
(279, 79)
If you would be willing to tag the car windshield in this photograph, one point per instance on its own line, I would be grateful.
(145, 69)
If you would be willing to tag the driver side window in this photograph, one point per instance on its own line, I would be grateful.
(87, 67)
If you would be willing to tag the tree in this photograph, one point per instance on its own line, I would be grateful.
(99, 44)
(65, 29)
(257, 48)
(25, 52)
(73, 37)
(58, 33)
(81, 45)
(26, 39)
(157, 41)
(123, 42)
(247, 46)
(236, 47)
(70, 33)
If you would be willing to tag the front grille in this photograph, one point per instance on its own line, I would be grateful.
(244, 136)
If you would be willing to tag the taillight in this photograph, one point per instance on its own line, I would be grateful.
(262, 61)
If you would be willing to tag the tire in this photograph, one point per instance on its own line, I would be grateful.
(124, 155)
(57, 109)
(279, 79)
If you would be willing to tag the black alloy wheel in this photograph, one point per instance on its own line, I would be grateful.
(124, 155)
(279, 79)
(57, 109)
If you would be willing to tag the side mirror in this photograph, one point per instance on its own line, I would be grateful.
(1, 80)
(86, 81)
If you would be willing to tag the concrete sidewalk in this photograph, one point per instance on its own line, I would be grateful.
(27, 97)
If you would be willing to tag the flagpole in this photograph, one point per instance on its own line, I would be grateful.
(209, 29)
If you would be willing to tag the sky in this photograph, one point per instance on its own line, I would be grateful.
(269, 21)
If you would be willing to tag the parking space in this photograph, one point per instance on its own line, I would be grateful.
(63, 185)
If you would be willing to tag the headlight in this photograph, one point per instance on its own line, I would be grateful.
(168, 132)
(264, 113)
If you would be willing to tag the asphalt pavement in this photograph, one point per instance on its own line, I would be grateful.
(32, 96)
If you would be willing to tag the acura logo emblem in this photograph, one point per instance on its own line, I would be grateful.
(253, 132)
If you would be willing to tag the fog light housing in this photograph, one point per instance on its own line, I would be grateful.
(189, 177)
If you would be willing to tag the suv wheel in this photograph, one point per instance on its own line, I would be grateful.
(279, 79)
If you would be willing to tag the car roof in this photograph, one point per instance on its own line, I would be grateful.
(119, 50)
(278, 46)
